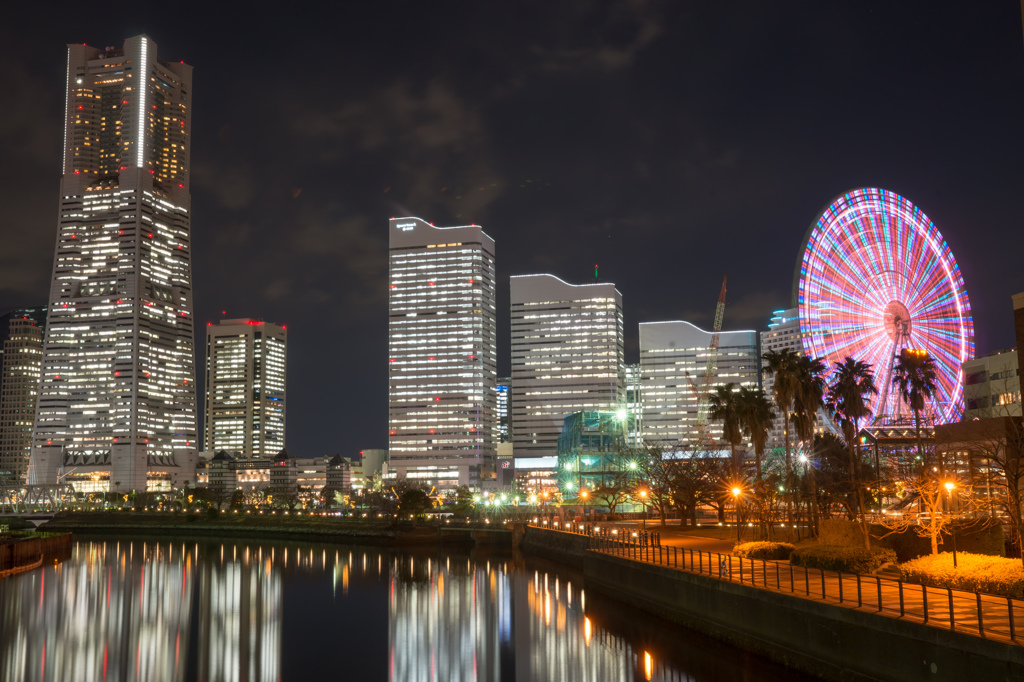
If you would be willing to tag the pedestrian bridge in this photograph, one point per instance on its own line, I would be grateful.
(35, 501)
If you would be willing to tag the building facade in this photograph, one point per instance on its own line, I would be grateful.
(245, 387)
(442, 348)
(19, 386)
(992, 386)
(673, 360)
(504, 392)
(567, 356)
(634, 407)
(117, 399)
(592, 453)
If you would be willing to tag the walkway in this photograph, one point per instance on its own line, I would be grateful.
(988, 616)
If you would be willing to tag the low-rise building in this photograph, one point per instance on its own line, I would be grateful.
(284, 473)
(992, 386)
(339, 474)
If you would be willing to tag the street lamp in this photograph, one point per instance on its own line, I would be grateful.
(736, 492)
(950, 487)
(643, 505)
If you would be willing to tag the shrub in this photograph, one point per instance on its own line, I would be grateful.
(842, 532)
(974, 572)
(840, 558)
(764, 550)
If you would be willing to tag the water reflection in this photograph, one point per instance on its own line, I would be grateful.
(237, 611)
(113, 611)
(240, 619)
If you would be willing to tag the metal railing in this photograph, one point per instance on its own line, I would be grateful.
(985, 615)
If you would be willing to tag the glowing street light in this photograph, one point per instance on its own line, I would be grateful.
(950, 487)
(736, 493)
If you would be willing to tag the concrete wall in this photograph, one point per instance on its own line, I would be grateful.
(833, 642)
(565, 548)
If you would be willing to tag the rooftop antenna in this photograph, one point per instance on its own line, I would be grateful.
(595, 264)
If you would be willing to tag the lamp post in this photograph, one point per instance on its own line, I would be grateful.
(736, 492)
(643, 504)
(950, 487)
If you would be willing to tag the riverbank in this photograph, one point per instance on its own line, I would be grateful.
(836, 642)
(25, 553)
(370, 532)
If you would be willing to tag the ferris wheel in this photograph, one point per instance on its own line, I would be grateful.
(876, 277)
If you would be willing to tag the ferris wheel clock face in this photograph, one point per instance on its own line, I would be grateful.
(877, 277)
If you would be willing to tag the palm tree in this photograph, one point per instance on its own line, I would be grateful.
(915, 377)
(782, 365)
(807, 400)
(853, 384)
(725, 406)
(756, 417)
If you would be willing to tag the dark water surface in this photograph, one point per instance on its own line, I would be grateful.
(152, 610)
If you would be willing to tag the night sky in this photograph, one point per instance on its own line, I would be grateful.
(670, 142)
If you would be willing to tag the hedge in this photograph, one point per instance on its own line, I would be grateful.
(840, 558)
(764, 550)
(980, 536)
(974, 573)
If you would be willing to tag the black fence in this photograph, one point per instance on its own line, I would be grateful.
(984, 615)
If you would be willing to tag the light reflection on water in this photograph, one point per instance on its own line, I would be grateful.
(259, 612)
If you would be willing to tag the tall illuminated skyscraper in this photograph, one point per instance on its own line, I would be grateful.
(19, 388)
(442, 352)
(567, 356)
(117, 400)
(245, 387)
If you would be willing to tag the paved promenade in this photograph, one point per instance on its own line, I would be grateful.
(988, 616)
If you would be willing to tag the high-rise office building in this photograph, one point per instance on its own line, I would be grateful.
(245, 387)
(567, 356)
(783, 334)
(117, 401)
(673, 362)
(19, 386)
(442, 367)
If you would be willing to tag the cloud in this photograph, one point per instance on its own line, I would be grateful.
(427, 143)
(594, 37)
(234, 186)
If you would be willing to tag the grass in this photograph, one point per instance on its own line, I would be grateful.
(974, 573)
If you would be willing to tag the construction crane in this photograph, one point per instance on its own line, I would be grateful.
(710, 370)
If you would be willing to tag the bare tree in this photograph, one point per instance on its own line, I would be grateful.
(614, 490)
(994, 450)
(653, 484)
(696, 479)
(941, 498)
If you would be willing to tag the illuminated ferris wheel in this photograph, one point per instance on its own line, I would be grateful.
(877, 277)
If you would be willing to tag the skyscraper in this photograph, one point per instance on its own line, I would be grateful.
(442, 352)
(673, 359)
(567, 356)
(19, 387)
(117, 400)
(245, 387)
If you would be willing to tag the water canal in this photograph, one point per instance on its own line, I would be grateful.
(265, 611)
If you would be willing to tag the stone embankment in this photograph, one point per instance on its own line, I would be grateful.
(17, 554)
(280, 526)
